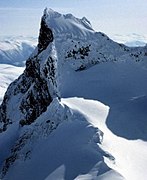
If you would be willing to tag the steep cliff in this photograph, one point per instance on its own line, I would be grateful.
(29, 96)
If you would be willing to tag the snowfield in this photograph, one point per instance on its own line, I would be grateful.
(75, 141)
(135, 159)
(97, 136)
(120, 86)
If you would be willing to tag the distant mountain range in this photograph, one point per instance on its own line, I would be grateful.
(15, 50)
(131, 40)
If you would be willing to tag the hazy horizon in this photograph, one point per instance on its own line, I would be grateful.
(22, 18)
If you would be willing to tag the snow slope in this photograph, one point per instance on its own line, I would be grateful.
(120, 85)
(78, 108)
(124, 156)
(15, 50)
(75, 142)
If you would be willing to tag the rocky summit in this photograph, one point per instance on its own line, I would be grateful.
(51, 121)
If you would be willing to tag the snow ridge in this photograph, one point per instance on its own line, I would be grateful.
(67, 24)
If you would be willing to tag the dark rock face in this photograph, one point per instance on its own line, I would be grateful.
(36, 99)
(45, 36)
(3, 117)
(31, 89)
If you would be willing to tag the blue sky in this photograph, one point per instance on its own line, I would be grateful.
(22, 17)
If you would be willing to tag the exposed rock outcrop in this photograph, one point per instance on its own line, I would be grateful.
(29, 95)
(45, 35)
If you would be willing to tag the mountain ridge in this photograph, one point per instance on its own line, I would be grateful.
(55, 70)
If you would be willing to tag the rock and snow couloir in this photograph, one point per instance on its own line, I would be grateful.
(72, 60)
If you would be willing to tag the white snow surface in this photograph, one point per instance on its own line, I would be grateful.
(93, 141)
(68, 24)
(98, 129)
(130, 162)
(72, 151)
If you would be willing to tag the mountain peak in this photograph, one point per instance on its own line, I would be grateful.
(48, 12)
(66, 24)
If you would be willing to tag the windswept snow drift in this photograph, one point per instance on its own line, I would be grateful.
(135, 159)
(72, 151)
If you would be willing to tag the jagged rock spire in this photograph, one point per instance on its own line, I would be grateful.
(35, 88)
(45, 35)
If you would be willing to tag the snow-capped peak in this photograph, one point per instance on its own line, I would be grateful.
(67, 24)
(48, 12)
(88, 141)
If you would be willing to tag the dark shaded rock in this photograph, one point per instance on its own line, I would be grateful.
(45, 35)
(83, 51)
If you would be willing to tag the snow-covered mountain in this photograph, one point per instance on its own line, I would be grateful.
(15, 50)
(78, 108)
